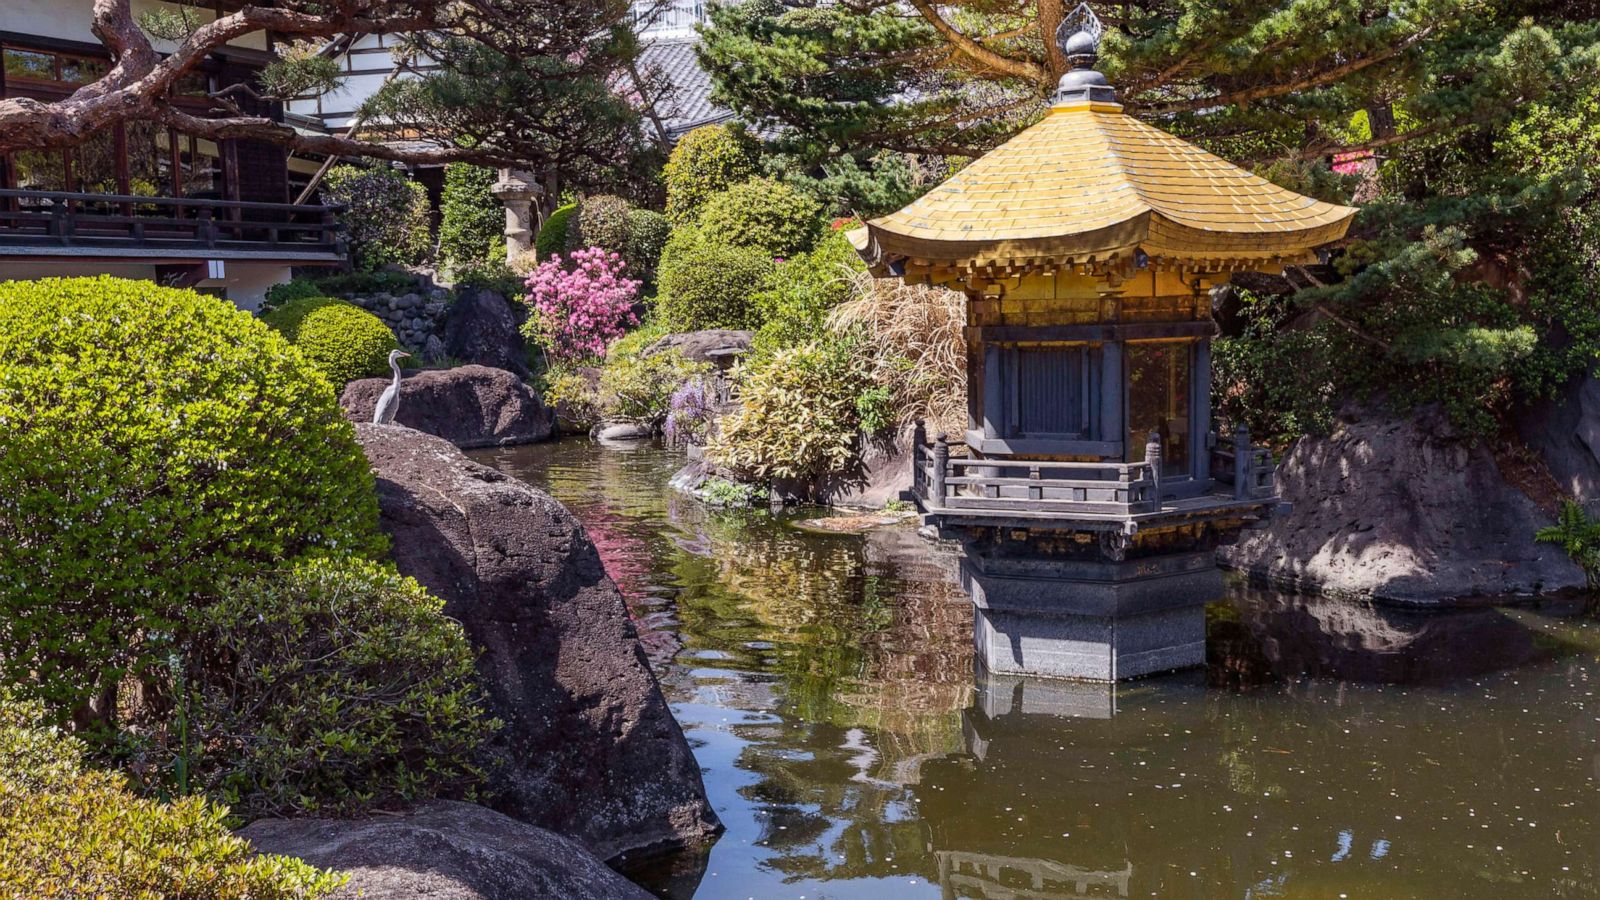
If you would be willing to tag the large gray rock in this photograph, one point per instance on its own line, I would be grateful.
(590, 749)
(714, 345)
(883, 475)
(446, 851)
(1397, 510)
(1565, 432)
(469, 406)
(481, 328)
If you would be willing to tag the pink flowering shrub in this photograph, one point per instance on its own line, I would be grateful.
(581, 304)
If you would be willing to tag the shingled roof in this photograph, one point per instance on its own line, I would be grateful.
(1089, 185)
(687, 105)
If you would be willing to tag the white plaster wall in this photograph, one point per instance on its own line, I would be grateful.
(247, 283)
(70, 20)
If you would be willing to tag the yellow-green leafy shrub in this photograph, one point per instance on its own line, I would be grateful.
(68, 831)
(800, 411)
(153, 444)
(574, 397)
(637, 388)
(706, 161)
(794, 306)
(327, 688)
(346, 342)
(764, 215)
(648, 231)
(706, 283)
(287, 317)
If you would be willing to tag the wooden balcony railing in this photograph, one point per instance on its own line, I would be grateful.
(120, 222)
(959, 485)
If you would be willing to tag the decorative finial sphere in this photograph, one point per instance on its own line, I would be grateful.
(1081, 50)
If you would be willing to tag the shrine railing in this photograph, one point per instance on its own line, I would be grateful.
(947, 481)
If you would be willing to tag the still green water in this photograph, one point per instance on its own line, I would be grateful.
(827, 686)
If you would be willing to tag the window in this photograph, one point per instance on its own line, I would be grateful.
(1159, 395)
(1051, 392)
(30, 64)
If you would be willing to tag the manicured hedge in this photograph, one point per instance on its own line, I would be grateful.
(69, 831)
(705, 283)
(552, 237)
(346, 342)
(764, 215)
(154, 443)
(471, 221)
(286, 318)
(706, 161)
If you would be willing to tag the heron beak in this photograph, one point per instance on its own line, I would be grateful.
(405, 356)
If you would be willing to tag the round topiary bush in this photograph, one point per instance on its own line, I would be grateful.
(705, 283)
(764, 215)
(552, 237)
(648, 231)
(345, 342)
(331, 687)
(153, 443)
(286, 319)
(706, 161)
(602, 221)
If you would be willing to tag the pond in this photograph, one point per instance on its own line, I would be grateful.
(827, 685)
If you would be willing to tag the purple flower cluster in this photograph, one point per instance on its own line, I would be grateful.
(581, 304)
(691, 412)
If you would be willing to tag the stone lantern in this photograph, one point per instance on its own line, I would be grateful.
(520, 192)
(1089, 489)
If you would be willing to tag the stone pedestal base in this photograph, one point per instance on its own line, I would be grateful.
(1091, 621)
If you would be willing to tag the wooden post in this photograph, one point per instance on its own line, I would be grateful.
(919, 440)
(1241, 462)
(941, 463)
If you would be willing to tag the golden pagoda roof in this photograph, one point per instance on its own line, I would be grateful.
(1089, 186)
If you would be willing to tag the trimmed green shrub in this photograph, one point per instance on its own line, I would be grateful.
(153, 443)
(799, 413)
(70, 831)
(765, 215)
(574, 397)
(345, 342)
(552, 237)
(706, 161)
(708, 284)
(602, 221)
(294, 289)
(471, 220)
(329, 688)
(387, 220)
(648, 231)
(286, 319)
(794, 306)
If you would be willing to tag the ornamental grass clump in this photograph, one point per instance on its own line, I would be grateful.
(327, 688)
(67, 830)
(581, 304)
(154, 444)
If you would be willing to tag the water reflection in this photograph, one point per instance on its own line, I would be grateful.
(829, 687)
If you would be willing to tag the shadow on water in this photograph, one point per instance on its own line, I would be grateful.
(1329, 749)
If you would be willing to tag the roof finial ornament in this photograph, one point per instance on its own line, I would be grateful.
(1078, 36)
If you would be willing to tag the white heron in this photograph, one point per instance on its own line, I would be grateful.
(389, 403)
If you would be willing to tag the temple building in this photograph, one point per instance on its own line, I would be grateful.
(1090, 487)
(141, 200)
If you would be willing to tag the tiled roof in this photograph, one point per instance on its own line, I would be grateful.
(1091, 183)
(687, 105)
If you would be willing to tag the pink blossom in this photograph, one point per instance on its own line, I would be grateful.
(581, 304)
